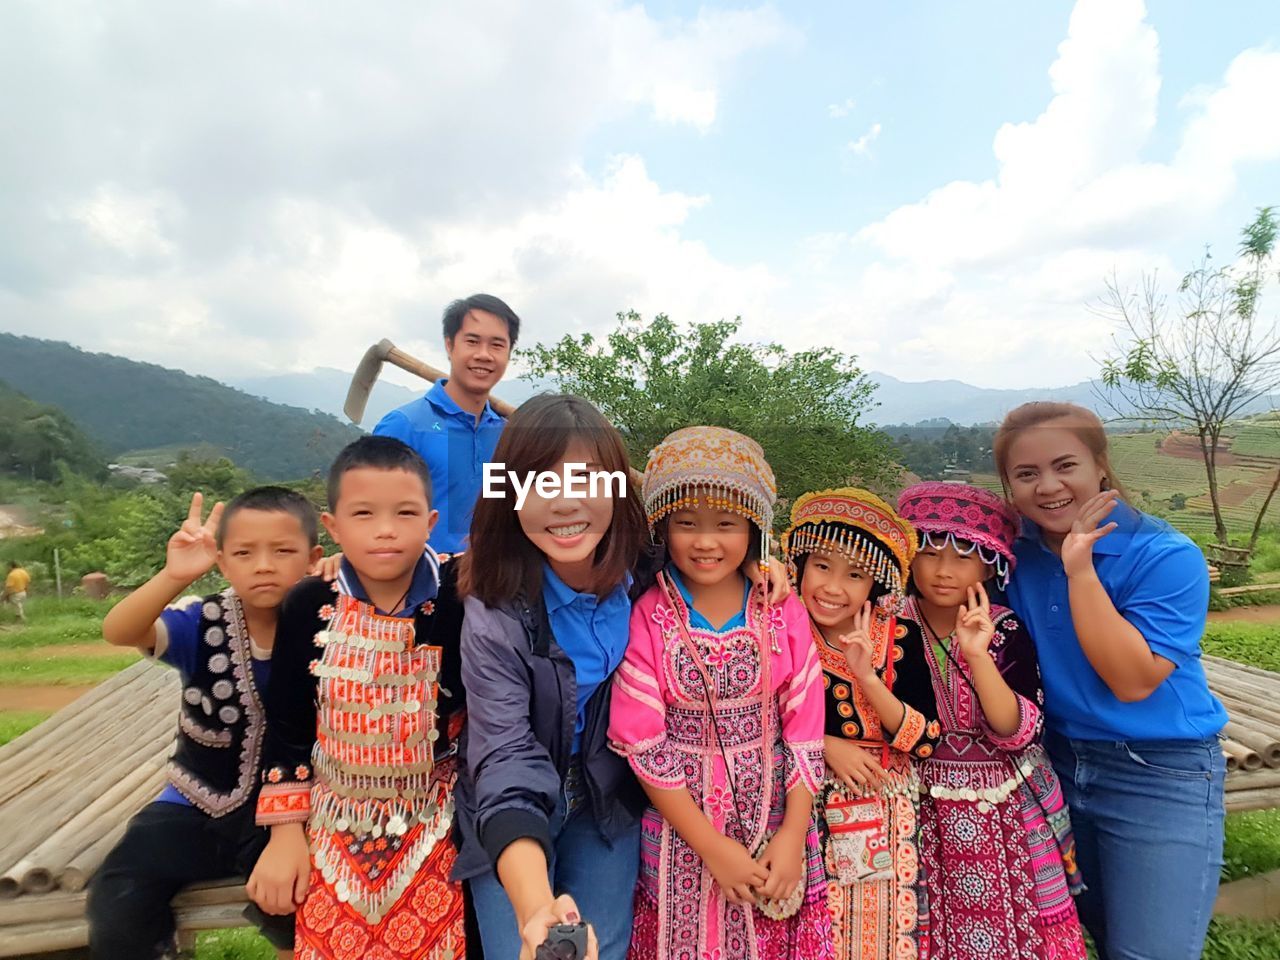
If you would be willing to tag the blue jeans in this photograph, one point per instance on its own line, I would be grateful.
(1148, 818)
(600, 876)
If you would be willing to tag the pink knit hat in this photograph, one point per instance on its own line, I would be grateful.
(964, 517)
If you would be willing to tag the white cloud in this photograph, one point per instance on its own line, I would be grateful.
(284, 184)
(862, 146)
(989, 280)
(837, 111)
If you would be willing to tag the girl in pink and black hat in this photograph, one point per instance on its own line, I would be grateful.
(995, 836)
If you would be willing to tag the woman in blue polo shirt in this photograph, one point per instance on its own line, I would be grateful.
(1116, 602)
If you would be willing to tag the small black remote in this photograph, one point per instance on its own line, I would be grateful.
(565, 941)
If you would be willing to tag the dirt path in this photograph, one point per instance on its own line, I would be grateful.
(1264, 613)
(48, 698)
(13, 522)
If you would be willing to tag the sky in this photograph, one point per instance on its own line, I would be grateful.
(243, 187)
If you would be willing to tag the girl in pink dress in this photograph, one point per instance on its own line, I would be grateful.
(718, 708)
(996, 838)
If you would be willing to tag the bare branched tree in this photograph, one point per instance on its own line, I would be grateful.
(1202, 366)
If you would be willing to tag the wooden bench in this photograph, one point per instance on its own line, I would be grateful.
(70, 785)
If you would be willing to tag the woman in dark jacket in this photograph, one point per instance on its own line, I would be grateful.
(543, 804)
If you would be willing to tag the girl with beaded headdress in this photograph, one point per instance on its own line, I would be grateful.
(718, 708)
(996, 838)
(849, 553)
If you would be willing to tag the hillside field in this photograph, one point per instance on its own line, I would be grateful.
(1157, 466)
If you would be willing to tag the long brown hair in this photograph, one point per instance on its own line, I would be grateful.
(1082, 422)
(501, 563)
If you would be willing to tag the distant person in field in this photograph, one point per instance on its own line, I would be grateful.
(453, 427)
(15, 587)
(201, 827)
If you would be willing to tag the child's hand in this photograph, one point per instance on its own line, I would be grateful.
(974, 628)
(784, 859)
(282, 874)
(560, 910)
(852, 766)
(327, 568)
(857, 645)
(194, 548)
(771, 576)
(735, 871)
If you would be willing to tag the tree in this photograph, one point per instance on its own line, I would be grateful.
(1203, 367)
(804, 408)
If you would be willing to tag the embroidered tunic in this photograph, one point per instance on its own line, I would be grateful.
(998, 850)
(371, 706)
(879, 910)
(660, 721)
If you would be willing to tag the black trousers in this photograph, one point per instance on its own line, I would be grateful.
(165, 847)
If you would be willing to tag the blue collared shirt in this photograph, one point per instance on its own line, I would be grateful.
(1158, 581)
(591, 631)
(697, 620)
(455, 448)
(423, 587)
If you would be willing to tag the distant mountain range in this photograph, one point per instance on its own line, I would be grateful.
(124, 405)
(325, 389)
(291, 425)
(964, 404)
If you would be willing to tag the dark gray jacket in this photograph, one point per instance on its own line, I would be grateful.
(517, 742)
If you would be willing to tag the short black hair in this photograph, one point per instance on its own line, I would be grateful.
(457, 311)
(381, 453)
(272, 499)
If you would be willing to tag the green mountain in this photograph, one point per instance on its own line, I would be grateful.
(34, 437)
(124, 405)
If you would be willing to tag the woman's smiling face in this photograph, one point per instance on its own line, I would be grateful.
(1051, 475)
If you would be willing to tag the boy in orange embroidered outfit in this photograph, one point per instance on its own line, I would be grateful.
(361, 724)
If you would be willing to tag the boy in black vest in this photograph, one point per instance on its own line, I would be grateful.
(202, 825)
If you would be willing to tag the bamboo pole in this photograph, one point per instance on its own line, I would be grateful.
(37, 938)
(1241, 667)
(72, 867)
(76, 874)
(1268, 748)
(61, 796)
(114, 806)
(1239, 801)
(75, 745)
(1241, 756)
(1254, 781)
(51, 906)
(1249, 714)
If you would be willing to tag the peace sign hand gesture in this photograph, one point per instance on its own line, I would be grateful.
(1077, 547)
(858, 651)
(194, 548)
(974, 628)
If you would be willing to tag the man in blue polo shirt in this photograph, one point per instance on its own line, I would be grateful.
(453, 427)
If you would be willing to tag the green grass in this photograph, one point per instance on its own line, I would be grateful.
(240, 944)
(15, 723)
(1231, 939)
(31, 667)
(52, 622)
(1252, 845)
(1257, 644)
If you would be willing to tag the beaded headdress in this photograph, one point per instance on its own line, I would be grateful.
(965, 518)
(721, 466)
(858, 525)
